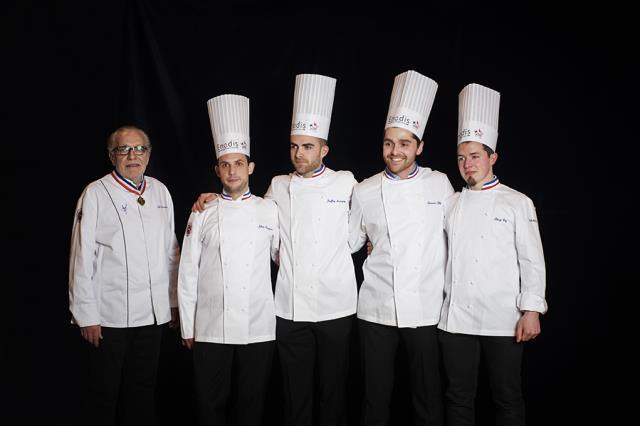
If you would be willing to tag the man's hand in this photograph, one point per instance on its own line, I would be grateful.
(92, 334)
(369, 247)
(175, 318)
(188, 343)
(198, 206)
(528, 326)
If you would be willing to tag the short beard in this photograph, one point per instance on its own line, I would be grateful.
(471, 182)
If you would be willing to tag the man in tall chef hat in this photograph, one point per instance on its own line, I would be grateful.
(495, 275)
(122, 281)
(224, 285)
(316, 291)
(401, 211)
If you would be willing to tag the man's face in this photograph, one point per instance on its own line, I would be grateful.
(234, 170)
(130, 165)
(307, 153)
(399, 150)
(475, 164)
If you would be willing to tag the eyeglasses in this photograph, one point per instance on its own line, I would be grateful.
(138, 150)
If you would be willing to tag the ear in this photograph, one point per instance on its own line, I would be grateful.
(252, 166)
(217, 170)
(420, 148)
(112, 158)
(324, 150)
(493, 158)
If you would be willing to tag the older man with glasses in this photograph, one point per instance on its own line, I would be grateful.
(122, 281)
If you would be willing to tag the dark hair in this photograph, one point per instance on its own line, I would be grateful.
(488, 149)
(413, 135)
(245, 155)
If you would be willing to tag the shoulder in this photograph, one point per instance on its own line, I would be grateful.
(512, 196)
(155, 184)
(281, 180)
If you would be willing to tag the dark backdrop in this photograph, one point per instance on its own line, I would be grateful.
(78, 70)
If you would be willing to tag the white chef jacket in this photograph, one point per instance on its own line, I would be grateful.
(404, 274)
(124, 256)
(316, 280)
(224, 283)
(495, 267)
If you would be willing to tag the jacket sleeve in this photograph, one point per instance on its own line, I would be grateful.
(530, 259)
(82, 297)
(188, 274)
(357, 231)
(173, 257)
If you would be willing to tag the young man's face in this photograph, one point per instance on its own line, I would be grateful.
(130, 165)
(307, 153)
(475, 164)
(234, 170)
(399, 150)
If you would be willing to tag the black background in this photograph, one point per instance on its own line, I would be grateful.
(75, 71)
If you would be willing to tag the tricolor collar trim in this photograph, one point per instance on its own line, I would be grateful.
(317, 172)
(226, 196)
(390, 175)
(491, 184)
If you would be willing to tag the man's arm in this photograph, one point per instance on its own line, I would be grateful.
(82, 298)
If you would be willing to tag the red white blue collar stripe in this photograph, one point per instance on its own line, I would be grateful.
(317, 172)
(226, 196)
(129, 185)
(390, 175)
(491, 184)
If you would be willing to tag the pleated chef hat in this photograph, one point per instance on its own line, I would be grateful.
(478, 109)
(312, 105)
(229, 118)
(411, 101)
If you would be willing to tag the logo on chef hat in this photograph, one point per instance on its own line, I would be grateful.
(464, 133)
(415, 124)
(478, 133)
(313, 126)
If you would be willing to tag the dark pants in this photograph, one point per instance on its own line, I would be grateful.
(123, 370)
(502, 357)
(378, 345)
(213, 365)
(303, 346)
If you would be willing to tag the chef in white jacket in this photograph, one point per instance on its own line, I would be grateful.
(495, 276)
(122, 280)
(316, 290)
(401, 211)
(224, 287)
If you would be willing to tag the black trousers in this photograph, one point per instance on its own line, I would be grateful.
(123, 370)
(502, 357)
(378, 346)
(213, 367)
(314, 349)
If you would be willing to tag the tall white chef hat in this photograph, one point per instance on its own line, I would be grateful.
(478, 109)
(312, 105)
(411, 101)
(229, 118)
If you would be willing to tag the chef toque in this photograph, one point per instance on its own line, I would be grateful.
(229, 118)
(411, 101)
(312, 105)
(478, 109)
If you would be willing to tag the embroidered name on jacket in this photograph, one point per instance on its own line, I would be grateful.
(333, 200)
(434, 203)
(500, 219)
(265, 227)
